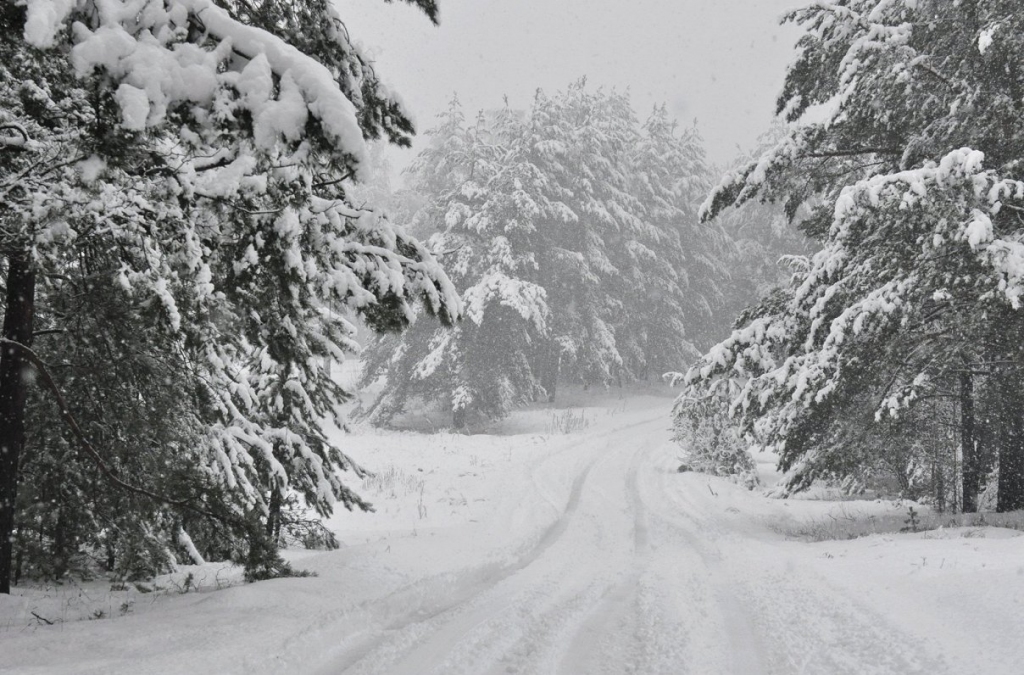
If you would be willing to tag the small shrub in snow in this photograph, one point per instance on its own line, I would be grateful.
(187, 584)
(913, 521)
(262, 559)
(310, 534)
(711, 441)
(391, 482)
(568, 421)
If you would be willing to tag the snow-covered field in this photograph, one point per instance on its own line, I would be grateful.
(529, 550)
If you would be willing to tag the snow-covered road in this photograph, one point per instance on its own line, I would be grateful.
(642, 571)
(583, 553)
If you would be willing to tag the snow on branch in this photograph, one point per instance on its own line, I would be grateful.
(322, 96)
(16, 140)
(144, 52)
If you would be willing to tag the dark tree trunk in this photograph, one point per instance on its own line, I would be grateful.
(939, 482)
(19, 560)
(971, 472)
(60, 552)
(1010, 495)
(459, 419)
(111, 546)
(551, 362)
(20, 301)
(274, 516)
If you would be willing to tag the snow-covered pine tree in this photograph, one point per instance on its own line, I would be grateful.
(762, 246)
(680, 278)
(631, 276)
(488, 239)
(910, 177)
(578, 141)
(578, 230)
(182, 165)
(525, 206)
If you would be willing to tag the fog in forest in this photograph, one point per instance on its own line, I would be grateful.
(470, 337)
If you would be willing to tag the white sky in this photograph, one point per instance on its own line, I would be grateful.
(720, 62)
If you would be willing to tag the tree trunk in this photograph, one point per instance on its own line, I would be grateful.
(20, 304)
(19, 560)
(1010, 494)
(63, 543)
(459, 419)
(971, 471)
(274, 515)
(549, 369)
(111, 547)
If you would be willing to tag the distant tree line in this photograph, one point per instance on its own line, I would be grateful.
(571, 232)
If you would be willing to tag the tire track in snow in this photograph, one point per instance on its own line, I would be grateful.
(607, 608)
(641, 533)
(621, 615)
(815, 627)
(746, 653)
(444, 642)
(475, 583)
(600, 623)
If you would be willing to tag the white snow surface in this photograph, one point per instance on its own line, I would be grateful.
(525, 550)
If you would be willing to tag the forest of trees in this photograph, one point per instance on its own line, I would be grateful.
(571, 232)
(896, 350)
(180, 267)
(186, 249)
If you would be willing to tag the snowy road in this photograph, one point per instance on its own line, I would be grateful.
(640, 573)
(588, 555)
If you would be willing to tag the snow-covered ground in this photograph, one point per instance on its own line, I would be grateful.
(528, 550)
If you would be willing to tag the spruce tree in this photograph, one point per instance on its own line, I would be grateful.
(176, 222)
(911, 183)
(572, 234)
(488, 239)
(677, 290)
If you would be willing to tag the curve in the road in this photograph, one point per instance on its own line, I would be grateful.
(365, 655)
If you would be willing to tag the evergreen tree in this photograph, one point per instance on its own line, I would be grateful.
(175, 220)
(677, 290)
(578, 141)
(481, 367)
(911, 183)
(761, 247)
(572, 234)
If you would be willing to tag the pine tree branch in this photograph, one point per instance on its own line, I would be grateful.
(441, 254)
(11, 143)
(326, 183)
(936, 74)
(219, 164)
(76, 429)
(228, 202)
(850, 153)
(899, 369)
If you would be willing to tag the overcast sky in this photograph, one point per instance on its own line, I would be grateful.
(720, 62)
